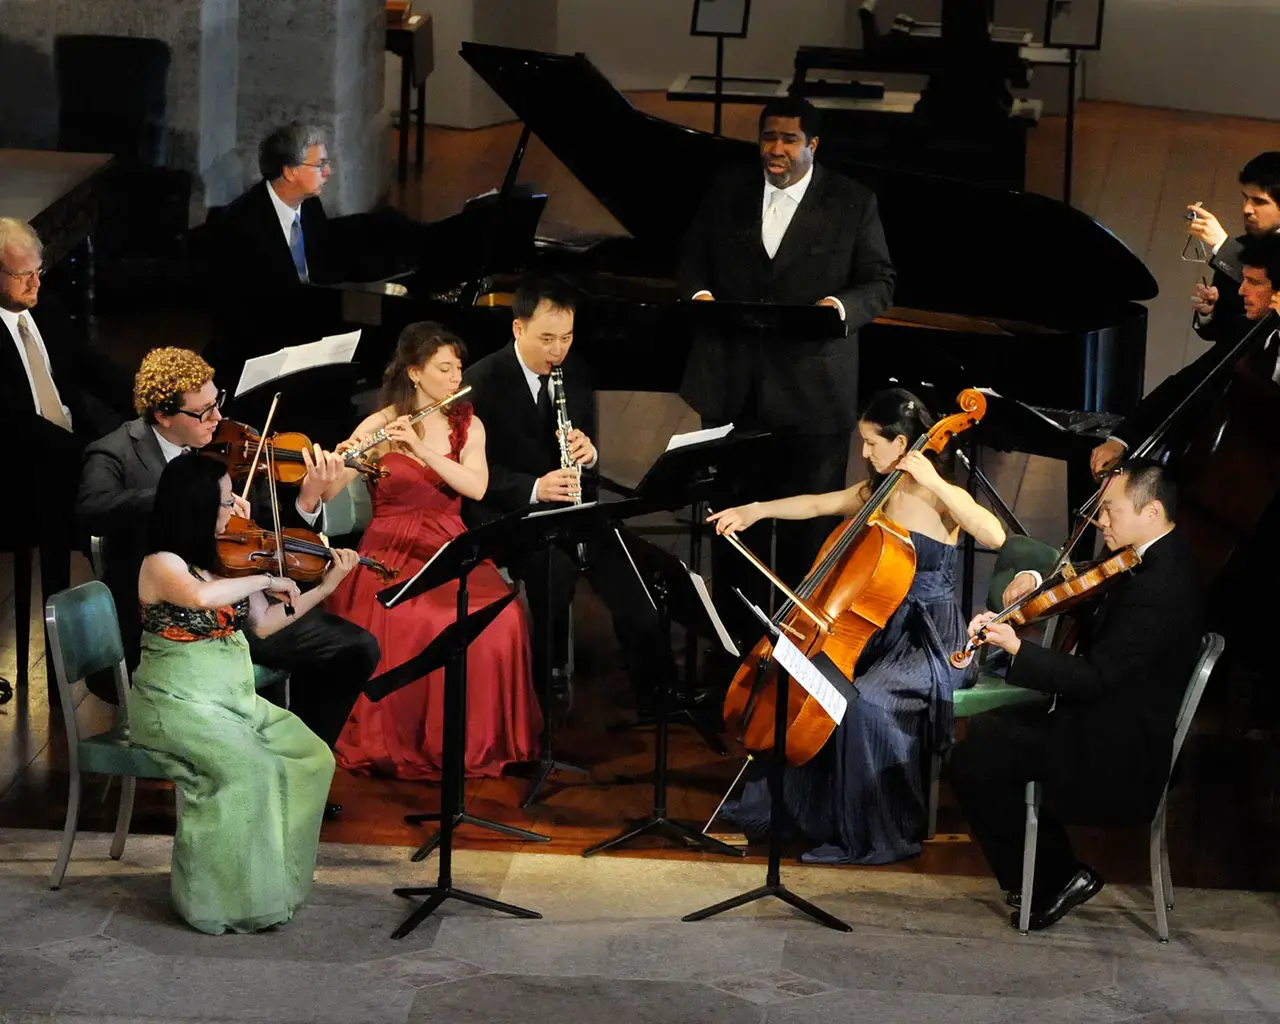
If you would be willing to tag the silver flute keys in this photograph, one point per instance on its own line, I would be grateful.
(563, 426)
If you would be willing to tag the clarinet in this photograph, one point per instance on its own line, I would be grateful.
(563, 426)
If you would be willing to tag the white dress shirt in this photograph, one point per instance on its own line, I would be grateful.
(10, 319)
(170, 451)
(535, 385)
(287, 215)
(790, 199)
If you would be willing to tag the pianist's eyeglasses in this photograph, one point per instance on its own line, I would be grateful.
(204, 415)
(25, 275)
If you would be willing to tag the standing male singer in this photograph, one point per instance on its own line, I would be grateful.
(511, 396)
(795, 234)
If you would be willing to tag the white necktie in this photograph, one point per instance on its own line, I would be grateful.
(774, 226)
(46, 393)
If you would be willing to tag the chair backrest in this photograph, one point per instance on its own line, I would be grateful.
(112, 95)
(1017, 554)
(1211, 648)
(84, 637)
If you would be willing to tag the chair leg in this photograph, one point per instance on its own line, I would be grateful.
(1030, 837)
(128, 784)
(935, 773)
(1164, 864)
(1157, 877)
(68, 833)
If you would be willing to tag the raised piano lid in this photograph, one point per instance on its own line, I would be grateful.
(957, 246)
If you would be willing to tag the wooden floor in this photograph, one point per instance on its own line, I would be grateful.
(1135, 170)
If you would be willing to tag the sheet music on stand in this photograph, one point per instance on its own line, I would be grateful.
(816, 675)
(700, 587)
(260, 370)
(698, 436)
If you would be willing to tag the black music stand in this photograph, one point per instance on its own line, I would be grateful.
(773, 881)
(693, 475)
(453, 561)
(676, 597)
(318, 400)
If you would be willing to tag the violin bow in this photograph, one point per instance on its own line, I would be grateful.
(289, 610)
(819, 620)
(257, 452)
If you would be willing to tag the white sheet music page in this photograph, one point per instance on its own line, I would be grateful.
(803, 672)
(698, 436)
(337, 348)
(700, 585)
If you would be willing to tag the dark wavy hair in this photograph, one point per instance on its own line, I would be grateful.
(896, 412)
(185, 512)
(418, 343)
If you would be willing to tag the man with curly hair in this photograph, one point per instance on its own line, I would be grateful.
(179, 409)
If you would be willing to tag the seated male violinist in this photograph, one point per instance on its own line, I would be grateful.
(328, 658)
(1101, 746)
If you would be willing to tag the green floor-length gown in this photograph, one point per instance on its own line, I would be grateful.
(254, 779)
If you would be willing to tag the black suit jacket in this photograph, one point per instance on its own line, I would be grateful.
(1111, 734)
(519, 445)
(833, 246)
(117, 489)
(93, 388)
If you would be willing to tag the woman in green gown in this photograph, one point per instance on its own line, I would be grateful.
(253, 779)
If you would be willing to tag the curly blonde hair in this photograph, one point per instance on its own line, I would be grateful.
(164, 376)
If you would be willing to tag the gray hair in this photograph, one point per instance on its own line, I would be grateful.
(20, 235)
(286, 147)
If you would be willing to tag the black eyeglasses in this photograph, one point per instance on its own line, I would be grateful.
(205, 414)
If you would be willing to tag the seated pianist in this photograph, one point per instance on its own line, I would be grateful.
(1101, 747)
(273, 241)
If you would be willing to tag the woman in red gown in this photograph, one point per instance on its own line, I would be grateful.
(430, 467)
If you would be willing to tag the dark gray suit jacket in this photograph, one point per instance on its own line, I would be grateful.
(833, 246)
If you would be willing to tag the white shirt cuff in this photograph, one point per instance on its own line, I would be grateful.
(839, 305)
(701, 292)
(594, 459)
(1214, 250)
(1033, 574)
(311, 518)
(533, 494)
(1200, 319)
(1118, 440)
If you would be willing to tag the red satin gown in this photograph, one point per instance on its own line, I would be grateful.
(414, 513)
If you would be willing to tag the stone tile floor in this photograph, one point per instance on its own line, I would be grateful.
(612, 949)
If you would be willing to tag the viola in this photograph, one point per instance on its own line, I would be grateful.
(1056, 596)
(245, 549)
(243, 446)
(861, 575)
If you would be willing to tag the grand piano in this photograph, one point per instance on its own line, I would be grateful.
(1010, 291)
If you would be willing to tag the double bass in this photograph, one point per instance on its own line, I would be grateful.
(861, 575)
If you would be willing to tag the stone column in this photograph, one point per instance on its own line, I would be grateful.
(202, 76)
(318, 61)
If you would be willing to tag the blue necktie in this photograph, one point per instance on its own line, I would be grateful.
(297, 248)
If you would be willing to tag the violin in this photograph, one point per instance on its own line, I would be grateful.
(244, 447)
(1056, 596)
(245, 549)
(861, 575)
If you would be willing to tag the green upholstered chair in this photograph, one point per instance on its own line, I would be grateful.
(84, 636)
(1211, 648)
(990, 692)
(350, 510)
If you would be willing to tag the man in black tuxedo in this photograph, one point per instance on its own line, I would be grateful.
(56, 394)
(329, 659)
(1259, 260)
(511, 395)
(1102, 749)
(794, 233)
(1217, 306)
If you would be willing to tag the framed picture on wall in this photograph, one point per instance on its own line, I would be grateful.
(721, 18)
(1074, 23)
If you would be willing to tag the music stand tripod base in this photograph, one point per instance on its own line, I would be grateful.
(435, 897)
(424, 851)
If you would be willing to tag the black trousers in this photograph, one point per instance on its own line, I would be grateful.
(1004, 750)
(328, 659)
(549, 587)
(818, 465)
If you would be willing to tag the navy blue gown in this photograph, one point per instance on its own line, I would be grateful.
(864, 798)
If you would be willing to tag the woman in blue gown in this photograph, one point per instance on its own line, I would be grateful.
(864, 798)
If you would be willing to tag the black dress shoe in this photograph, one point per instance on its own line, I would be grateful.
(331, 811)
(1013, 898)
(1085, 884)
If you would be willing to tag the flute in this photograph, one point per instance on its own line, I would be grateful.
(380, 435)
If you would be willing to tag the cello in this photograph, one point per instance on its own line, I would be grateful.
(861, 575)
